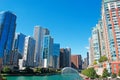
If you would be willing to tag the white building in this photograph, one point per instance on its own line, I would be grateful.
(28, 56)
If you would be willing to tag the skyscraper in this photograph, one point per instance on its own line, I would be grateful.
(87, 58)
(65, 57)
(29, 49)
(19, 41)
(76, 62)
(56, 55)
(39, 33)
(48, 51)
(18, 48)
(95, 46)
(7, 32)
(91, 51)
(111, 28)
(84, 65)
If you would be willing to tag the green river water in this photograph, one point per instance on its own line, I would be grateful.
(53, 77)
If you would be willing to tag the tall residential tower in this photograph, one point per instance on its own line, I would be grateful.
(111, 28)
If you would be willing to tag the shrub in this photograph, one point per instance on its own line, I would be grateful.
(119, 73)
(6, 69)
(90, 72)
(37, 70)
(114, 75)
(94, 62)
(105, 73)
(28, 70)
(102, 59)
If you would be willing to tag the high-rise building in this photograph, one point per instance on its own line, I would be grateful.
(47, 51)
(7, 32)
(65, 57)
(91, 52)
(84, 65)
(97, 44)
(56, 55)
(76, 62)
(111, 28)
(39, 33)
(87, 58)
(18, 48)
(29, 49)
(19, 41)
(95, 47)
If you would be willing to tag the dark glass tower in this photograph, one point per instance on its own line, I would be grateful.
(7, 32)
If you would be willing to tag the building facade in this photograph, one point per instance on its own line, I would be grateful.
(56, 55)
(76, 62)
(111, 27)
(39, 33)
(18, 48)
(28, 56)
(7, 32)
(95, 46)
(47, 51)
(65, 57)
(87, 58)
(91, 52)
(84, 64)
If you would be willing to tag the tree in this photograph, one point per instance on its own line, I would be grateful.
(114, 75)
(105, 73)
(102, 59)
(37, 70)
(95, 63)
(6, 69)
(119, 73)
(28, 70)
(90, 72)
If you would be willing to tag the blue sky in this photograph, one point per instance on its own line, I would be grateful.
(70, 21)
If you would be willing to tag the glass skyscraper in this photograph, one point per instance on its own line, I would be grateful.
(7, 32)
(48, 51)
(19, 41)
(65, 57)
(18, 48)
(39, 33)
(56, 55)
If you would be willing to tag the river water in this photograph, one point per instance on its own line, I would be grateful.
(53, 77)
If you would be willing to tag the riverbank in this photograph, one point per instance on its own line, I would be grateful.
(83, 76)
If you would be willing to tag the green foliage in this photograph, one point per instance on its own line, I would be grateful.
(28, 70)
(114, 75)
(37, 70)
(4, 78)
(119, 73)
(102, 59)
(48, 70)
(6, 69)
(95, 63)
(105, 73)
(90, 72)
